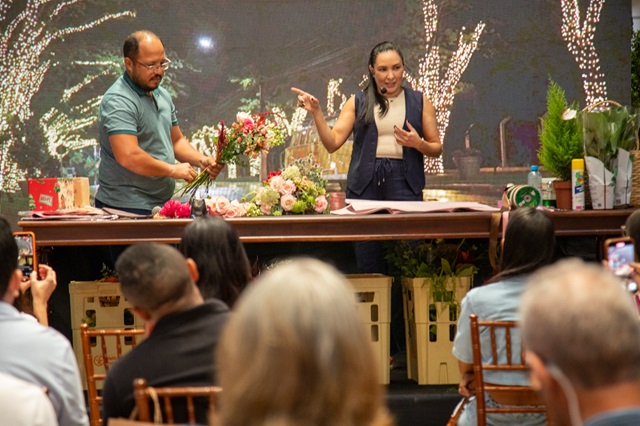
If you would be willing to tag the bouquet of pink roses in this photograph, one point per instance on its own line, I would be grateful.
(297, 189)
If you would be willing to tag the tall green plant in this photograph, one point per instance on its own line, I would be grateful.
(560, 137)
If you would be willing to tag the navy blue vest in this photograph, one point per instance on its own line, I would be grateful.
(365, 143)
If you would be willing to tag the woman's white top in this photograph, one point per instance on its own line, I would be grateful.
(387, 145)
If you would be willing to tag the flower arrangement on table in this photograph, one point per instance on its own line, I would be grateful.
(297, 189)
(249, 136)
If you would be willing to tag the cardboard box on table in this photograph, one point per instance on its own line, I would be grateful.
(373, 297)
(51, 194)
(102, 306)
(430, 327)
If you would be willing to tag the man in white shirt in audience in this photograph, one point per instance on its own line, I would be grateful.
(32, 352)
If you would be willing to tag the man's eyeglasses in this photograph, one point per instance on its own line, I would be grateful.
(164, 65)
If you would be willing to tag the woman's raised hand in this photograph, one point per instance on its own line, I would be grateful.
(306, 100)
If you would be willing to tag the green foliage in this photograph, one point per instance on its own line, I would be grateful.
(635, 69)
(607, 130)
(560, 139)
(432, 259)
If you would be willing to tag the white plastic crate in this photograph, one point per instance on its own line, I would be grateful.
(101, 305)
(430, 329)
(373, 297)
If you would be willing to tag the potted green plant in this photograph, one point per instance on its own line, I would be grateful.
(436, 275)
(560, 142)
(609, 134)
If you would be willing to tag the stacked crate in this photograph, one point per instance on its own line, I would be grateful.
(102, 306)
(373, 298)
(431, 319)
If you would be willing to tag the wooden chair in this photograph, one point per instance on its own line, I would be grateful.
(92, 377)
(518, 399)
(163, 398)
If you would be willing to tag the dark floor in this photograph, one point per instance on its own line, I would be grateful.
(419, 405)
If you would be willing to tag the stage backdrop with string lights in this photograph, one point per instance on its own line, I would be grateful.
(480, 62)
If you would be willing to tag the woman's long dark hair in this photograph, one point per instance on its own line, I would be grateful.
(529, 243)
(221, 259)
(371, 94)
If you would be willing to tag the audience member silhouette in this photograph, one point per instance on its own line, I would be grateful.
(296, 353)
(223, 267)
(582, 333)
(528, 245)
(32, 352)
(184, 329)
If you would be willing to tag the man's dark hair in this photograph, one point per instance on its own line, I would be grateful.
(132, 43)
(8, 255)
(153, 275)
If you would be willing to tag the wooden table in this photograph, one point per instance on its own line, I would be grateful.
(316, 228)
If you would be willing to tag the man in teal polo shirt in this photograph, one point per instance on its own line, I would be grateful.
(139, 134)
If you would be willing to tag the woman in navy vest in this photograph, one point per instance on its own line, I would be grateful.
(393, 127)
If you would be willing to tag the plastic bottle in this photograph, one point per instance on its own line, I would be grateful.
(577, 184)
(534, 179)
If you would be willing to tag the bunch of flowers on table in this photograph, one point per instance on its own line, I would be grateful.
(247, 138)
(221, 206)
(174, 209)
(297, 189)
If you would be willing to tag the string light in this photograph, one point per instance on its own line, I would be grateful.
(579, 37)
(23, 66)
(333, 91)
(441, 89)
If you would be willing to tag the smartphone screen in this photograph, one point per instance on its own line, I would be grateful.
(620, 254)
(26, 252)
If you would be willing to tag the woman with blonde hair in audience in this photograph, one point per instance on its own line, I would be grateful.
(295, 352)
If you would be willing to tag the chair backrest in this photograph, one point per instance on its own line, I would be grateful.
(517, 399)
(107, 357)
(163, 398)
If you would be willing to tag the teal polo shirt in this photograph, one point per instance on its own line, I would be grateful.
(127, 109)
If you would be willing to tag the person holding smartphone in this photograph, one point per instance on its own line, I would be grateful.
(41, 291)
(30, 351)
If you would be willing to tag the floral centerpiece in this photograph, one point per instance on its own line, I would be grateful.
(248, 137)
(297, 189)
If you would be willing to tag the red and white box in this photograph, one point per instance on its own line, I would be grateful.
(51, 194)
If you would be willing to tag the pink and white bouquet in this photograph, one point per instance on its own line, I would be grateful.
(297, 189)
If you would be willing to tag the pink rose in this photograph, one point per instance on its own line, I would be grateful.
(183, 211)
(288, 187)
(221, 205)
(287, 201)
(235, 209)
(217, 205)
(265, 208)
(321, 204)
(276, 183)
